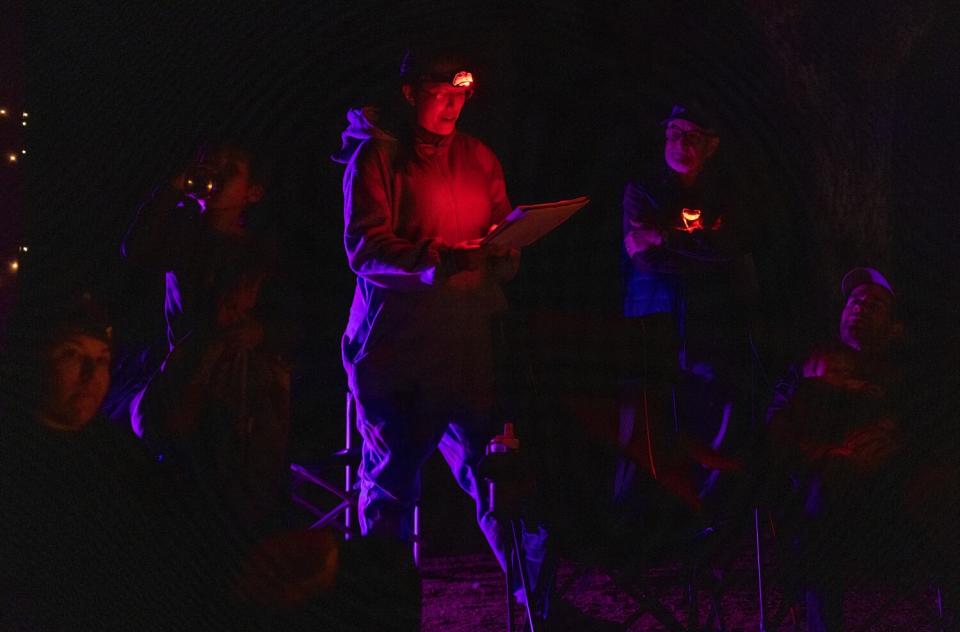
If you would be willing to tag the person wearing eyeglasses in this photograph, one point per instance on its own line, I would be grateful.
(689, 289)
(418, 347)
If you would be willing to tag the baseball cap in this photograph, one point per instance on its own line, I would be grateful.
(860, 276)
(695, 113)
(80, 314)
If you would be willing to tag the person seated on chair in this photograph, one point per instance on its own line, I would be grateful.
(835, 431)
(80, 501)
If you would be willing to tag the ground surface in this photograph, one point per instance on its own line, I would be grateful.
(464, 593)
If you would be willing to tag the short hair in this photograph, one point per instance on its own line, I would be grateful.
(258, 163)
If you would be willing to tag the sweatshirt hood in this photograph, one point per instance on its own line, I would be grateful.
(362, 124)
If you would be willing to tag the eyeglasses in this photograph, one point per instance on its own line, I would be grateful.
(693, 136)
(445, 92)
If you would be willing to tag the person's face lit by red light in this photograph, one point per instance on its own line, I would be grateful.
(76, 377)
(867, 321)
(437, 105)
(688, 147)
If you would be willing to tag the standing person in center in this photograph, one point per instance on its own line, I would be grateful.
(418, 347)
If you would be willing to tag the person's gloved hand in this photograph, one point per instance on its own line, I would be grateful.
(468, 255)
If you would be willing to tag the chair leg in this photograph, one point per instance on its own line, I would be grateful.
(650, 604)
(716, 604)
(693, 606)
(756, 533)
(348, 514)
(416, 535)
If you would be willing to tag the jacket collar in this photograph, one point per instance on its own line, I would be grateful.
(427, 144)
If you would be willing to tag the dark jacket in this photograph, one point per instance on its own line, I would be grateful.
(83, 543)
(691, 269)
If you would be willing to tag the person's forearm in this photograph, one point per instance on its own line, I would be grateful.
(152, 239)
(375, 252)
(397, 264)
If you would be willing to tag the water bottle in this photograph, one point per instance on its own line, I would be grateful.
(501, 470)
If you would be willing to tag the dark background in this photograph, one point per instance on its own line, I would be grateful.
(839, 126)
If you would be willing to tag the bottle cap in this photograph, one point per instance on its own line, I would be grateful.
(508, 438)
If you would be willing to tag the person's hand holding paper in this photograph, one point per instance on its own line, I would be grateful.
(501, 260)
(468, 255)
(528, 223)
(500, 249)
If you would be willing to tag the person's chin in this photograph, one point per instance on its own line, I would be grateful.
(858, 326)
(85, 407)
(74, 420)
(446, 127)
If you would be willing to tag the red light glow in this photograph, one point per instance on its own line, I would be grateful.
(462, 79)
(692, 219)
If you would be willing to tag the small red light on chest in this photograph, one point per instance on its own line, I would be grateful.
(692, 219)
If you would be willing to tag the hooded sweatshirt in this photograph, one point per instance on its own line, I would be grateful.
(406, 202)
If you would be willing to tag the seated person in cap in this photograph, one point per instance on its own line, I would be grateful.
(79, 546)
(835, 432)
(690, 288)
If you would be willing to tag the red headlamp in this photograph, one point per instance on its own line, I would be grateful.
(462, 79)
(457, 79)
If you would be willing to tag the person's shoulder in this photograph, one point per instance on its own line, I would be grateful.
(650, 180)
(826, 355)
(376, 147)
(118, 447)
(373, 151)
(637, 186)
(463, 141)
(112, 436)
(643, 191)
(18, 439)
(467, 139)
